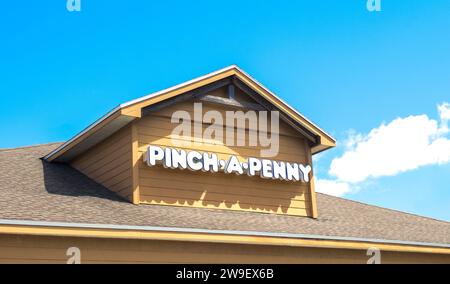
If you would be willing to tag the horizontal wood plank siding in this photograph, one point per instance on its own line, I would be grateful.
(109, 163)
(46, 249)
(158, 185)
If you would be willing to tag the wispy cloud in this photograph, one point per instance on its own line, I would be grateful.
(402, 145)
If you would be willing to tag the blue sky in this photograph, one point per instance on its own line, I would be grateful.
(347, 69)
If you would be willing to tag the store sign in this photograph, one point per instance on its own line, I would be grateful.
(209, 162)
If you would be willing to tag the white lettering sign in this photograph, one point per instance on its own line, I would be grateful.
(209, 162)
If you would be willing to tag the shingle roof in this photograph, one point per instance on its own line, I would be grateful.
(34, 190)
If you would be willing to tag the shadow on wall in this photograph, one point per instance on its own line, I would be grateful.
(199, 189)
(62, 179)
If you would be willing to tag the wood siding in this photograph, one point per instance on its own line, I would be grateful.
(47, 249)
(109, 163)
(158, 185)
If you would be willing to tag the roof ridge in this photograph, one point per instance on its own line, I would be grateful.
(385, 208)
(130, 108)
(29, 146)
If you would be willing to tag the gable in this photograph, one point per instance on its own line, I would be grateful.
(163, 186)
(118, 162)
(258, 167)
(125, 113)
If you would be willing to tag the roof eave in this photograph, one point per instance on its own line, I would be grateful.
(122, 110)
(209, 235)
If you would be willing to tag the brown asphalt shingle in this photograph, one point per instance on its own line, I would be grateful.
(31, 189)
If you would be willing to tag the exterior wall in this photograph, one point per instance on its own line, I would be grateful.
(158, 185)
(110, 163)
(117, 164)
(40, 249)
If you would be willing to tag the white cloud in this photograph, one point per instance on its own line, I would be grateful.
(402, 145)
(332, 187)
(444, 113)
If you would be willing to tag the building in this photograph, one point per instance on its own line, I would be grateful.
(107, 196)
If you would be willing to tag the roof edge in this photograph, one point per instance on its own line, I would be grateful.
(50, 156)
(286, 236)
(386, 208)
(284, 102)
(234, 66)
(87, 129)
(186, 83)
(126, 104)
(29, 146)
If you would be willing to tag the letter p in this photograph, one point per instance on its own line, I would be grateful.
(154, 154)
(254, 165)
